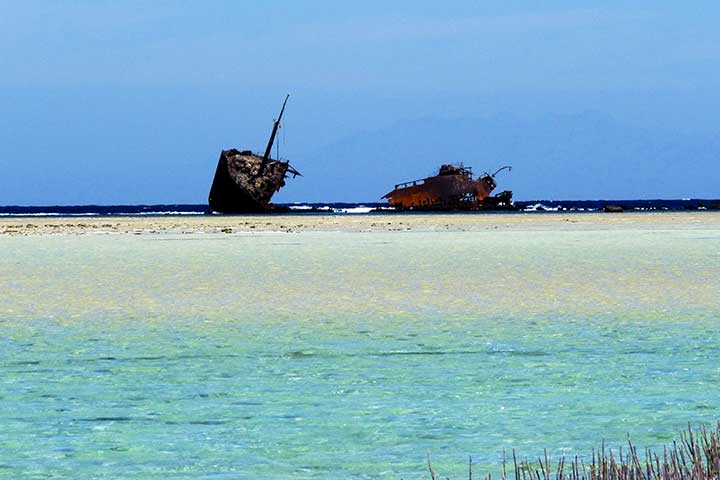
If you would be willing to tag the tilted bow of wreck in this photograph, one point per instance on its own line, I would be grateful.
(245, 182)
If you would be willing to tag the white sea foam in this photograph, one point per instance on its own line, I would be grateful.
(159, 213)
(360, 209)
(327, 208)
(540, 207)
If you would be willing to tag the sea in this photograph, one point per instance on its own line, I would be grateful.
(659, 205)
(321, 355)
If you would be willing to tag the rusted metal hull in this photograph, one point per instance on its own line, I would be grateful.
(244, 184)
(452, 189)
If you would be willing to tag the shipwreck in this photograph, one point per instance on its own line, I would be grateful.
(453, 188)
(245, 182)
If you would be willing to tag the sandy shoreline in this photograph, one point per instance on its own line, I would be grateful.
(204, 224)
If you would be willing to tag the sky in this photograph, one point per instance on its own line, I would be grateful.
(105, 102)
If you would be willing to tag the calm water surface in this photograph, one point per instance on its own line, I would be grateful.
(349, 355)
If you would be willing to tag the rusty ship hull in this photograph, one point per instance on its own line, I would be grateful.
(453, 188)
(239, 185)
(245, 182)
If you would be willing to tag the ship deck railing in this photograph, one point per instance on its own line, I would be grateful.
(411, 183)
(279, 159)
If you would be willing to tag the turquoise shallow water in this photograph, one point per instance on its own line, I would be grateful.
(349, 355)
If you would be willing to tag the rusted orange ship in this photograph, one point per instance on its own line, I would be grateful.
(453, 188)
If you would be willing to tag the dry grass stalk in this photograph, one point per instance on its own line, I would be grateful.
(696, 457)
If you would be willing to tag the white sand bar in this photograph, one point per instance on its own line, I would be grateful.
(455, 222)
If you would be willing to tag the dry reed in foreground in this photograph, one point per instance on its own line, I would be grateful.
(695, 457)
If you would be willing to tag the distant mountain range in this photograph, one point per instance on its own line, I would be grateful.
(583, 156)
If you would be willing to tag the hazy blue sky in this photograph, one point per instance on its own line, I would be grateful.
(131, 102)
